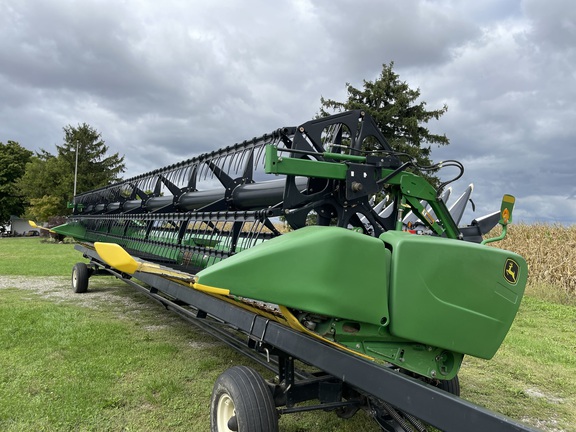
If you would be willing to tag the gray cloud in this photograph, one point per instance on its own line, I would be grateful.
(163, 82)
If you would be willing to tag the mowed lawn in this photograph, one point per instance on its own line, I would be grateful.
(112, 359)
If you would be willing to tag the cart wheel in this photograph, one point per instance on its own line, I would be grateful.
(450, 386)
(80, 276)
(241, 401)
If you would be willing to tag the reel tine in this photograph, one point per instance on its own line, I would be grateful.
(192, 177)
(248, 171)
(259, 154)
(232, 158)
(238, 158)
(183, 177)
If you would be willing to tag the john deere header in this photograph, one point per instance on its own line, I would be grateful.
(327, 228)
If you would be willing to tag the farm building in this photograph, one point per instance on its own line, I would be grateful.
(21, 227)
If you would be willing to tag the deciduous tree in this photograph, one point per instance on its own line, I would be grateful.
(13, 160)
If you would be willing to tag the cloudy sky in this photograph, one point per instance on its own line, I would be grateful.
(164, 81)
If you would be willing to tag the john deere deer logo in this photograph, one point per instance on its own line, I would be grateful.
(511, 271)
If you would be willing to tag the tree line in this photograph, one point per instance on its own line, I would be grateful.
(40, 185)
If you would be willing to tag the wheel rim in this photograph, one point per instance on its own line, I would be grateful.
(74, 278)
(226, 410)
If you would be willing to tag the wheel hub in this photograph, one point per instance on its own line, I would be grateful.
(225, 414)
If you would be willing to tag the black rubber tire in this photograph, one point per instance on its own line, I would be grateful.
(80, 276)
(241, 401)
(450, 386)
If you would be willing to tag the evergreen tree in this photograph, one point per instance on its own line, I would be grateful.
(393, 106)
(95, 168)
(49, 180)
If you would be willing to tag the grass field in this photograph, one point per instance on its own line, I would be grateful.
(111, 359)
(32, 256)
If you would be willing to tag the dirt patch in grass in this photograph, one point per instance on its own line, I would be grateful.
(57, 288)
(104, 292)
(36, 284)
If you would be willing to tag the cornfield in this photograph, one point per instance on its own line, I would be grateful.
(550, 251)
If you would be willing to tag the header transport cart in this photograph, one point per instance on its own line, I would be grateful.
(324, 255)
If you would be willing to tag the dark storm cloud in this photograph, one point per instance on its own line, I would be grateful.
(510, 94)
(165, 81)
(411, 33)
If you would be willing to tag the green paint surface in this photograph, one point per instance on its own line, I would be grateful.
(452, 294)
(326, 270)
